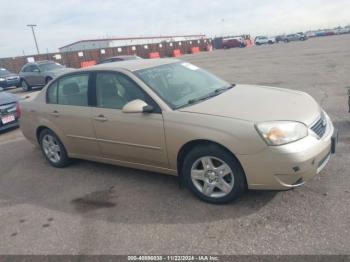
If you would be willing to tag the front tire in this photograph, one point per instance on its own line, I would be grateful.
(25, 86)
(213, 174)
(53, 149)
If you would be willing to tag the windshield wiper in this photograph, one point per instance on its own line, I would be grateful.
(220, 90)
(211, 94)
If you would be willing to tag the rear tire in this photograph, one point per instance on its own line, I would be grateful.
(53, 149)
(213, 174)
(25, 86)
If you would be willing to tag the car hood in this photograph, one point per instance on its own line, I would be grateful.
(7, 98)
(260, 103)
(8, 75)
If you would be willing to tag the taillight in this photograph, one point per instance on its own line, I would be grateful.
(18, 110)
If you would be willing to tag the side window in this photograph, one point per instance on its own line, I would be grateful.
(28, 68)
(73, 90)
(115, 90)
(34, 68)
(31, 68)
(52, 93)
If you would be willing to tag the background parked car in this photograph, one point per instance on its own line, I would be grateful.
(233, 42)
(8, 79)
(9, 110)
(295, 37)
(341, 31)
(40, 73)
(262, 40)
(119, 58)
(280, 38)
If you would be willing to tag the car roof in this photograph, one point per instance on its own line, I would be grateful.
(122, 56)
(40, 62)
(132, 65)
(44, 62)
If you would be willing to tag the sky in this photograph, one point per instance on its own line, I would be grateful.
(61, 22)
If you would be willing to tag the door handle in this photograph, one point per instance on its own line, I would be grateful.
(55, 113)
(100, 118)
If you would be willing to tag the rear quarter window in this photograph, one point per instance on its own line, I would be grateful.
(73, 90)
(51, 93)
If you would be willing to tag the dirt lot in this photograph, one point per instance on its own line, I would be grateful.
(91, 208)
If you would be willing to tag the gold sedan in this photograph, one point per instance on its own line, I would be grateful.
(172, 117)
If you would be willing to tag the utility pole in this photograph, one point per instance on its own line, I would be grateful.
(36, 43)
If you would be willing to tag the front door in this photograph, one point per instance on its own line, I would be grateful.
(129, 137)
(34, 77)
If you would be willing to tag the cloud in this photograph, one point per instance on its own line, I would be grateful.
(64, 21)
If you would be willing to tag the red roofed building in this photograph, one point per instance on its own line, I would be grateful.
(125, 41)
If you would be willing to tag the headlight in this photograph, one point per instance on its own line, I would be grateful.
(2, 79)
(277, 133)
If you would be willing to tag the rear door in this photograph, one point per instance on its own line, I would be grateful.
(129, 137)
(69, 113)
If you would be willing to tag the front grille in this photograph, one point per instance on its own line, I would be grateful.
(12, 78)
(320, 126)
(8, 109)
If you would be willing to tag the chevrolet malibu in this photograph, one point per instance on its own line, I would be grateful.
(172, 117)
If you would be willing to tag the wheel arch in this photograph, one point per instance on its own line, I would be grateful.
(42, 128)
(38, 132)
(48, 78)
(188, 146)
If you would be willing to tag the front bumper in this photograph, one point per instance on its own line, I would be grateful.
(291, 165)
(10, 82)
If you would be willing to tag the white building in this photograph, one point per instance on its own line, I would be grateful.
(124, 41)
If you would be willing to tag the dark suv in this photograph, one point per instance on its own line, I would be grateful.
(8, 79)
(40, 73)
(295, 37)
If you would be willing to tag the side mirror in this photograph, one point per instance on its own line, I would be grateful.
(36, 70)
(137, 106)
(1, 89)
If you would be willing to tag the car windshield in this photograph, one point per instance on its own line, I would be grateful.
(181, 84)
(50, 66)
(4, 71)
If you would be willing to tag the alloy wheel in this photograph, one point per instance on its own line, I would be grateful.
(212, 176)
(51, 148)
